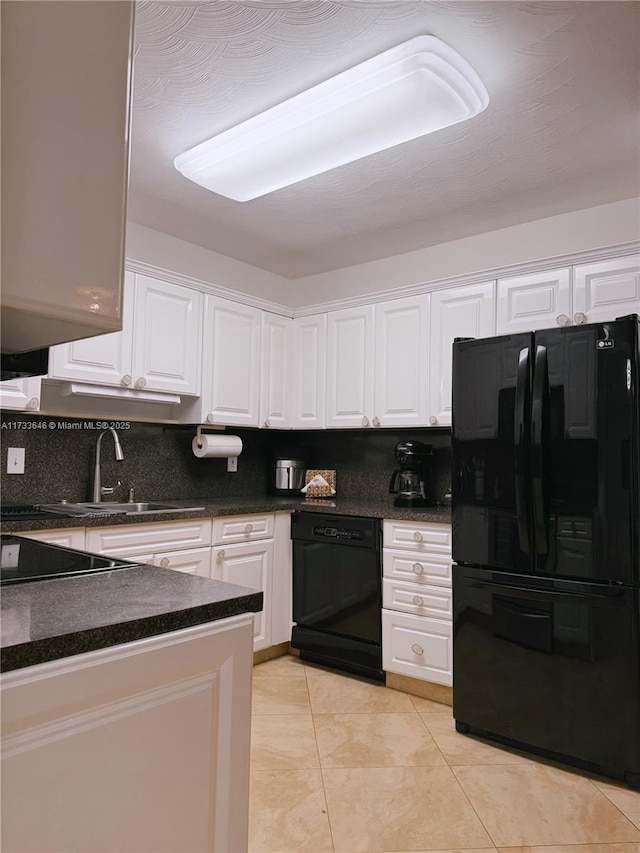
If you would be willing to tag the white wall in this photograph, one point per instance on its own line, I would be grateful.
(591, 228)
(162, 250)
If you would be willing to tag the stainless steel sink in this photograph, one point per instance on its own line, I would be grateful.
(116, 508)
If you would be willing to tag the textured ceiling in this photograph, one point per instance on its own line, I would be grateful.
(561, 132)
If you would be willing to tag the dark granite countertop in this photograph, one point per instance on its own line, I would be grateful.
(240, 506)
(46, 620)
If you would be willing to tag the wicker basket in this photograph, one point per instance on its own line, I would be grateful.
(320, 491)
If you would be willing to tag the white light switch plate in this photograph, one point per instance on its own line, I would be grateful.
(15, 460)
(232, 463)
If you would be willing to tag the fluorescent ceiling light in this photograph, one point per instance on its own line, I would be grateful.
(415, 88)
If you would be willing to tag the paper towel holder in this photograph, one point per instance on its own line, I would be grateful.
(200, 427)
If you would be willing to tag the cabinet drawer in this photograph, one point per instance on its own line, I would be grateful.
(195, 561)
(242, 528)
(71, 537)
(416, 568)
(417, 536)
(417, 646)
(129, 540)
(420, 600)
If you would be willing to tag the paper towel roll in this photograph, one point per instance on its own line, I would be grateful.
(217, 445)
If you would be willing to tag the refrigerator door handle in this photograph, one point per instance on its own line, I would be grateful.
(520, 440)
(539, 396)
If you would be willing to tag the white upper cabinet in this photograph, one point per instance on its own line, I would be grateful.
(309, 372)
(606, 290)
(275, 371)
(534, 301)
(167, 345)
(461, 312)
(350, 364)
(103, 360)
(401, 362)
(158, 349)
(21, 395)
(231, 364)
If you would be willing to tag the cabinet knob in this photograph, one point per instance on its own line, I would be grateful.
(417, 536)
(365, 421)
(418, 600)
(220, 556)
(34, 403)
(164, 562)
(248, 528)
(126, 380)
(141, 382)
(562, 320)
(267, 423)
(433, 420)
(579, 318)
(417, 650)
(376, 421)
(210, 419)
(418, 568)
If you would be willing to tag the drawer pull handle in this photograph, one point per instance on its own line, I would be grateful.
(418, 600)
(220, 556)
(418, 568)
(579, 319)
(365, 421)
(417, 650)
(433, 420)
(210, 418)
(126, 380)
(164, 562)
(248, 528)
(141, 382)
(417, 536)
(562, 320)
(376, 421)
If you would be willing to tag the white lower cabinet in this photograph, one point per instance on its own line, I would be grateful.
(69, 537)
(141, 746)
(417, 615)
(194, 561)
(243, 553)
(249, 564)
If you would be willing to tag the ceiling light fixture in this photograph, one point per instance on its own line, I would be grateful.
(408, 91)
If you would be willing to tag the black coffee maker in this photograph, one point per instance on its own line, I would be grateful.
(411, 482)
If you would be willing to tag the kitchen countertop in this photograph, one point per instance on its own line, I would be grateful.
(214, 507)
(46, 620)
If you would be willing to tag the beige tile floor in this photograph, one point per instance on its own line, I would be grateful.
(344, 765)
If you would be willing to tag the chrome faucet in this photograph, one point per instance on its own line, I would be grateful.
(98, 489)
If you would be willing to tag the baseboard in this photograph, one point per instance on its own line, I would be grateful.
(270, 653)
(426, 689)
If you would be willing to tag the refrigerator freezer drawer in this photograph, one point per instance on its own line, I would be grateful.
(417, 646)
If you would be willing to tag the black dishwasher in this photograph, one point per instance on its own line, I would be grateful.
(337, 592)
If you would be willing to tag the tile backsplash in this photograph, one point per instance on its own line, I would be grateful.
(159, 464)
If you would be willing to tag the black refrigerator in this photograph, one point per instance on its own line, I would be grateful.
(546, 518)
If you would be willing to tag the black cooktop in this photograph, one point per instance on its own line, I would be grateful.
(27, 512)
(23, 560)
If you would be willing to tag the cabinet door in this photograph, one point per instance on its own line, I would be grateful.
(101, 360)
(418, 646)
(350, 367)
(606, 290)
(167, 345)
(21, 395)
(195, 561)
(72, 537)
(539, 300)
(309, 372)
(275, 371)
(251, 565)
(463, 312)
(231, 371)
(401, 359)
